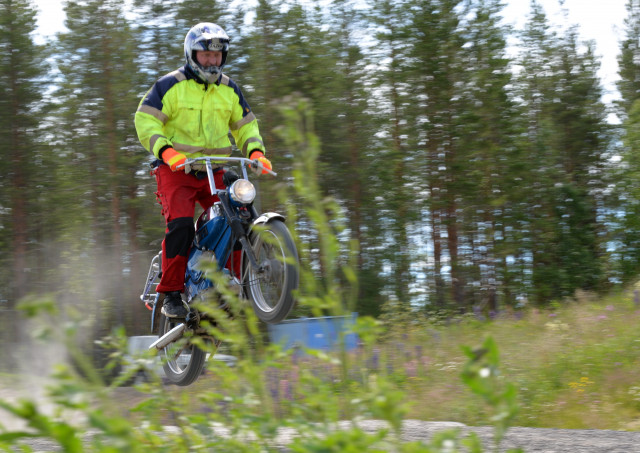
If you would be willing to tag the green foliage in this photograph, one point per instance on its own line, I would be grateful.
(581, 355)
(566, 141)
(628, 61)
(625, 179)
(232, 409)
(481, 375)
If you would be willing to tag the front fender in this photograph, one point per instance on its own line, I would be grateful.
(268, 216)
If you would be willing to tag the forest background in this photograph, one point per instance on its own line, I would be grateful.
(472, 180)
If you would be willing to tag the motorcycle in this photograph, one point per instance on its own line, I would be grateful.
(267, 273)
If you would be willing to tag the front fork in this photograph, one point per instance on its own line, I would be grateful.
(248, 250)
(238, 230)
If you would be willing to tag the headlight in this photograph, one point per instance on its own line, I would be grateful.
(242, 191)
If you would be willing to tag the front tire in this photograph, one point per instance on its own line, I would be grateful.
(182, 362)
(270, 288)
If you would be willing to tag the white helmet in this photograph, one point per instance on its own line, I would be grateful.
(205, 36)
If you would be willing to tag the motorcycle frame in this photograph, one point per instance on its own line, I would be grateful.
(233, 233)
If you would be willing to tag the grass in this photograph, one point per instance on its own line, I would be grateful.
(576, 366)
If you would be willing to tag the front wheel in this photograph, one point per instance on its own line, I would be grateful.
(270, 287)
(182, 361)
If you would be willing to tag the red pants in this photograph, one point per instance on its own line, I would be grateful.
(178, 193)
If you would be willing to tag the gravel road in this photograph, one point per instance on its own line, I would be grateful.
(540, 440)
(531, 440)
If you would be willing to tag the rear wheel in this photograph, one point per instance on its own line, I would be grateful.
(182, 362)
(270, 287)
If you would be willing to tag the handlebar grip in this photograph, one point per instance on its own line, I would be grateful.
(186, 166)
(255, 164)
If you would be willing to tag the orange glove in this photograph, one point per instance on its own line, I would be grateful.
(266, 163)
(173, 158)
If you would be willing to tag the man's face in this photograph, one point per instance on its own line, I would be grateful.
(209, 58)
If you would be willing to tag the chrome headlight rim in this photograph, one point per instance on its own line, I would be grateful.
(242, 191)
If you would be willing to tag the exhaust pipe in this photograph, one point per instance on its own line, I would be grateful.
(169, 337)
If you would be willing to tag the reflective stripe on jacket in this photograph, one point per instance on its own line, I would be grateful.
(195, 118)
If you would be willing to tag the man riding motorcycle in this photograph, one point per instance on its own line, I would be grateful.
(189, 113)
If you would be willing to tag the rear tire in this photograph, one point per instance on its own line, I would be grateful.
(270, 289)
(182, 362)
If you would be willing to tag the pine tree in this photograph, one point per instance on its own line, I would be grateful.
(280, 58)
(348, 130)
(566, 134)
(392, 98)
(437, 65)
(626, 209)
(22, 83)
(488, 172)
(629, 61)
(159, 38)
(99, 63)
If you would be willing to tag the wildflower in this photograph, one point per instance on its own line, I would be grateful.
(285, 389)
(581, 385)
(411, 368)
(448, 446)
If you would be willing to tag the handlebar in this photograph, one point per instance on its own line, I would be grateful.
(217, 159)
(254, 164)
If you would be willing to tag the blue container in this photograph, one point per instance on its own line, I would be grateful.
(315, 333)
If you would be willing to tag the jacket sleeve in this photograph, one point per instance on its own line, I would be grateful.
(244, 125)
(152, 114)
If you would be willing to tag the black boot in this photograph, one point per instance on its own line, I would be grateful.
(173, 306)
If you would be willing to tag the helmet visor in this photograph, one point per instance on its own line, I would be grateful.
(208, 42)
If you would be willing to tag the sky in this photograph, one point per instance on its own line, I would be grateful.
(598, 20)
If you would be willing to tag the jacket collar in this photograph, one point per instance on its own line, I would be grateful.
(188, 72)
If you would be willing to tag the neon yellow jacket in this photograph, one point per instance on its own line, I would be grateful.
(195, 118)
